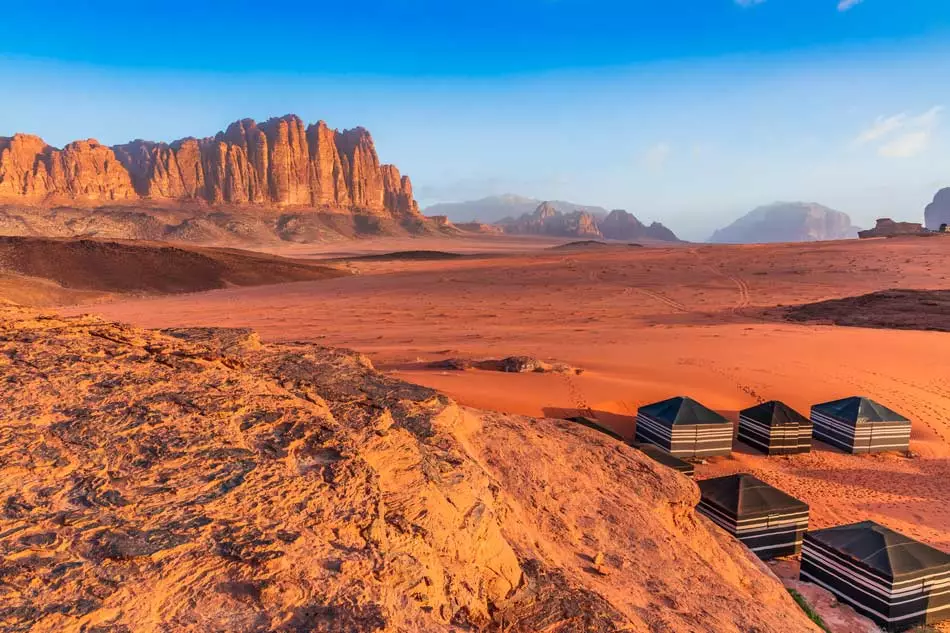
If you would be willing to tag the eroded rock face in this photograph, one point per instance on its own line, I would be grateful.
(83, 170)
(280, 163)
(198, 480)
(938, 211)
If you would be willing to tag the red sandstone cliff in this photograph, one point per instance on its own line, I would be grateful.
(280, 163)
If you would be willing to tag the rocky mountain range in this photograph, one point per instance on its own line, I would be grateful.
(508, 206)
(938, 211)
(787, 222)
(251, 182)
(546, 219)
(281, 163)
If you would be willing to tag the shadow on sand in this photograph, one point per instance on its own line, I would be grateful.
(621, 427)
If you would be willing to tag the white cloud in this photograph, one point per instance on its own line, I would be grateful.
(657, 155)
(906, 145)
(881, 127)
(844, 5)
(902, 135)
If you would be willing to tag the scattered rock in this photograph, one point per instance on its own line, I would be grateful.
(453, 364)
(521, 364)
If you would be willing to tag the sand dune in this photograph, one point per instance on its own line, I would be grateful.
(46, 271)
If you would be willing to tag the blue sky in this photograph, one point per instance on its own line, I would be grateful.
(688, 112)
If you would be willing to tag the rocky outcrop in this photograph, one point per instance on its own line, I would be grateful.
(83, 171)
(787, 222)
(621, 225)
(886, 227)
(938, 211)
(280, 163)
(200, 480)
(547, 220)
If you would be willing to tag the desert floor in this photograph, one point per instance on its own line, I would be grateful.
(644, 324)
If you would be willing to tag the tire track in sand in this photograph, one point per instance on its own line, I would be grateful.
(742, 286)
(656, 296)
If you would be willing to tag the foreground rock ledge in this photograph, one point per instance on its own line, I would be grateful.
(197, 480)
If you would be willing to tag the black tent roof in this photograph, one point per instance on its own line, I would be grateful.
(859, 409)
(883, 550)
(682, 410)
(659, 455)
(775, 413)
(744, 495)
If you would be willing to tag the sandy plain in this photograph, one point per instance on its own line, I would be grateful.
(644, 324)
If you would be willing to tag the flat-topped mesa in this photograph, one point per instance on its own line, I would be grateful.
(280, 163)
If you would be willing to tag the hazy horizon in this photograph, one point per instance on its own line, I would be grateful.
(689, 114)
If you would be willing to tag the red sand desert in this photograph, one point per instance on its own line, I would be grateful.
(643, 324)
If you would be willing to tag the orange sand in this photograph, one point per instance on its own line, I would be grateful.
(644, 324)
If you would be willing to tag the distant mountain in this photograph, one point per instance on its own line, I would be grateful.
(621, 225)
(547, 220)
(787, 222)
(938, 211)
(495, 208)
(617, 225)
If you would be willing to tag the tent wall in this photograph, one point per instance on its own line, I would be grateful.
(895, 605)
(767, 535)
(770, 440)
(685, 440)
(803, 439)
(861, 437)
(788, 438)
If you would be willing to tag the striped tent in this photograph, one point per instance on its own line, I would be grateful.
(684, 428)
(860, 425)
(657, 454)
(896, 581)
(766, 520)
(775, 429)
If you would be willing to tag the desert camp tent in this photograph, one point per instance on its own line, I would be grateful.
(860, 425)
(768, 521)
(659, 455)
(894, 580)
(683, 427)
(775, 429)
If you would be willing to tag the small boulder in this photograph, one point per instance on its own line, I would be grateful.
(521, 364)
